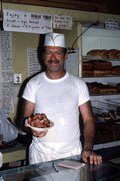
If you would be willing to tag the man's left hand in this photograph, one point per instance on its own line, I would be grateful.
(93, 157)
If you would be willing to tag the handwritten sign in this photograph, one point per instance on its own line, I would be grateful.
(112, 24)
(62, 22)
(23, 21)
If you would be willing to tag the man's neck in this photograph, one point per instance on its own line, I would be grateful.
(55, 75)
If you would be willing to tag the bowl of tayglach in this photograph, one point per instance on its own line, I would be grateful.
(39, 122)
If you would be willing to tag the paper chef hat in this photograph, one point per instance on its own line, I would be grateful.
(55, 39)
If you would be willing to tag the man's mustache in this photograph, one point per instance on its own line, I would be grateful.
(53, 61)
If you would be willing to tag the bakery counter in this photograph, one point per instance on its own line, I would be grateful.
(12, 155)
(50, 171)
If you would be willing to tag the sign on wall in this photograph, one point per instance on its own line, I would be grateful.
(23, 21)
(112, 24)
(62, 22)
(6, 72)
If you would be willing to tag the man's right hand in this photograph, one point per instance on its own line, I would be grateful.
(39, 134)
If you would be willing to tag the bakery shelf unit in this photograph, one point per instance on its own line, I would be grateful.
(100, 38)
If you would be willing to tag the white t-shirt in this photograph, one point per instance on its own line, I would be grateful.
(59, 99)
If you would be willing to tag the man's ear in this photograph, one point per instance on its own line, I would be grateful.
(66, 56)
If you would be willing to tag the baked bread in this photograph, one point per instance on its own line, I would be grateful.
(118, 54)
(87, 73)
(92, 87)
(115, 70)
(92, 53)
(106, 117)
(98, 54)
(101, 73)
(112, 113)
(87, 65)
(110, 116)
(99, 88)
(118, 87)
(104, 54)
(99, 64)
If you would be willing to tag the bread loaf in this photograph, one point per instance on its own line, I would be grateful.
(104, 54)
(99, 88)
(98, 54)
(118, 87)
(118, 54)
(99, 64)
(87, 73)
(109, 116)
(115, 70)
(100, 73)
(92, 87)
(92, 53)
(87, 65)
(106, 89)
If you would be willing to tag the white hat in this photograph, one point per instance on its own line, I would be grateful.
(55, 39)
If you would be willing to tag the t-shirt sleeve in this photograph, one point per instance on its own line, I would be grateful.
(28, 93)
(83, 93)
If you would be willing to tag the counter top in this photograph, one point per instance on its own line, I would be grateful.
(46, 171)
(14, 153)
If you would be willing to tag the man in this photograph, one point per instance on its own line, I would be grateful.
(60, 96)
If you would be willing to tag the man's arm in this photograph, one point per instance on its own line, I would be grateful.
(89, 125)
(89, 132)
(25, 110)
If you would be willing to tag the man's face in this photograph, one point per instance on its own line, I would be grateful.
(54, 58)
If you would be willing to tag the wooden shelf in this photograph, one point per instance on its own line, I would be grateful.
(77, 5)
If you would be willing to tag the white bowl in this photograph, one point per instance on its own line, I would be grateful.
(39, 129)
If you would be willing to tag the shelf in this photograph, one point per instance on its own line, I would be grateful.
(86, 58)
(100, 39)
(105, 94)
(107, 76)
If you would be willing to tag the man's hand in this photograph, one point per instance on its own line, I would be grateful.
(39, 134)
(93, 157)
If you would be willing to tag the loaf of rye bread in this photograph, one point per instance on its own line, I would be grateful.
(101, 73)
(101, 65)
(96, 68)
(96, 64)
(104, 54)
(87, 73)
(115, 70)
(87, 65)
